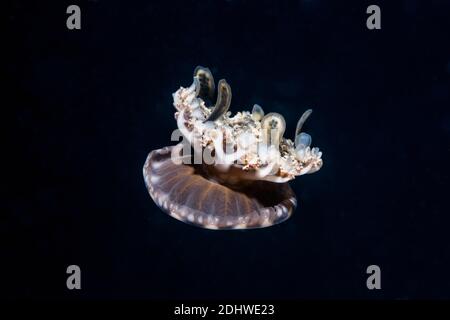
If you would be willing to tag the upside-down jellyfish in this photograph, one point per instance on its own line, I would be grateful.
(241, 179)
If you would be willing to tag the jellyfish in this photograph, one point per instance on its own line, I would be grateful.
(230, 171)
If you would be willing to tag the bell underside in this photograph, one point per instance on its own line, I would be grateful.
(186, 193)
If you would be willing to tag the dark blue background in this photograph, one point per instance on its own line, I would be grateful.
(84, 108)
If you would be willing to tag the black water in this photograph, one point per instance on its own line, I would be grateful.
(84, 109)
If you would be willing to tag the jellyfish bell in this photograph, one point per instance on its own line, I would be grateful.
(204, 196)
(243, 184)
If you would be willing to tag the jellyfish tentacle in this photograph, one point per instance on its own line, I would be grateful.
(205, 79)
(302, 140)
(223, 101)
(301, 121)
(257, 112)
(182, 127)
(273, 127)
